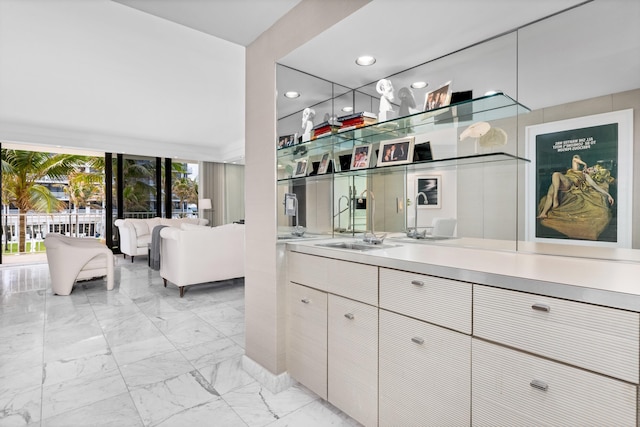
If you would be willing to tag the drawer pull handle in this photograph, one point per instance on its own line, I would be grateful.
(305, 300)
(541, 307)
(417, 340)
(540, 385)
(349, 316)
(417, 282)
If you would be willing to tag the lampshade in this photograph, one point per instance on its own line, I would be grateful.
(204, 203)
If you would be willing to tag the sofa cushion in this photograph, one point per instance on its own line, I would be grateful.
(143, 241)
(141, 227)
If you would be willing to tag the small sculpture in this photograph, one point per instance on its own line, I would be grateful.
(407, 101)
(308, 114)
(385, 89)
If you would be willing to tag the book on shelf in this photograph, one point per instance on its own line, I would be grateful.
(366, 114)
(352, 127)
(359, 121)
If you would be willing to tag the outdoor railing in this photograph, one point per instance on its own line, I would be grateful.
(85, 224)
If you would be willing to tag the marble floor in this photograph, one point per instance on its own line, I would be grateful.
(135, 356)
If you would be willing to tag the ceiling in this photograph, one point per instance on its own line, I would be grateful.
(133, 74)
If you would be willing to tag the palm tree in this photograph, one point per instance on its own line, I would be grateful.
(186, 190)
(83, 187)
(22, 171)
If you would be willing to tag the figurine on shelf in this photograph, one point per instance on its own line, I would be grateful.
(407, 101)
(308, 114)
(385, 89)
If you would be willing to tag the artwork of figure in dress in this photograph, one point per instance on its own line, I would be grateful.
(578, 203)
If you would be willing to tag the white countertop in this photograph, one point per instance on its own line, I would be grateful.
(602, 282)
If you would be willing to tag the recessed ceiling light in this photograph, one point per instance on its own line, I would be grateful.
(347, 109)
(291, 94)
(365, 60)
(419, 85)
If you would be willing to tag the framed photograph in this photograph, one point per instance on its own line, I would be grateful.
(361, 156)
(438, 98)
(396, 151)
(287, 140)
(301, 168)
(429, 190)
(324, 163)
(579, 181)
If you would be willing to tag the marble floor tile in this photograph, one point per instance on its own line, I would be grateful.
(318, 413)
(215, 413)
(226, 319)
(155, 369)
(212, 352)
(22, 408)
(160, 401)
(136, 356)
(116, 411)
(257, 406)
(86, 390)
(226, 375)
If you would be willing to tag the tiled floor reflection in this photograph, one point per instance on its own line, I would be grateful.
(135, 356)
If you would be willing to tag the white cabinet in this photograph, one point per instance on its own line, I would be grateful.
(425, 374)
(603, 339)
(353, 358)
(307, 337)
(513, 388)
(551, 361)
(436, 300)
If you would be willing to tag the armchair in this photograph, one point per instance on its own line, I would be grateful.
(71, 259)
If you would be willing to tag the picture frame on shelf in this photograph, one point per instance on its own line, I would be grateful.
(361, 156)
(301, 168)
(579, 179)
(430, 187)
(324, 163)
(438, 98)
(287, 140)
(397, 151)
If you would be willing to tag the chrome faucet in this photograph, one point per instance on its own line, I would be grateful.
(373, 239)
(340, 211)
(415, 234)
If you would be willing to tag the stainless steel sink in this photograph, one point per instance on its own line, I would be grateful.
(355, 246)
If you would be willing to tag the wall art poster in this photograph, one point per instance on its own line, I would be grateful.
(579, 190)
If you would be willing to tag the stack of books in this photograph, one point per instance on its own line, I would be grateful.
(325, 128)
(357, 120)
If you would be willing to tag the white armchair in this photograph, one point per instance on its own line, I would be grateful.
(71, 259)
(196, 254)
(135, 233)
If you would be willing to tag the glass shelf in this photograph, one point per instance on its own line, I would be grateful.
(486, 108)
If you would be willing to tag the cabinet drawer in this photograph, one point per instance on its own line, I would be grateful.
(307, 337)
(511, 388)
(308, 270)
(597, 338)
(425, 374)
(355, 281)
(433, 299)
(353, 358)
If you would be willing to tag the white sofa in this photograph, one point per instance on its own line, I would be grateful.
(191, 254)
(71, 259)
(135, 233)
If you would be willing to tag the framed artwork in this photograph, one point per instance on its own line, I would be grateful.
(438, 98)
(361, 156)
(301, 168)
(396, 151)
(324, 163)
(429, 189)
(579, 181)
(287, 140)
